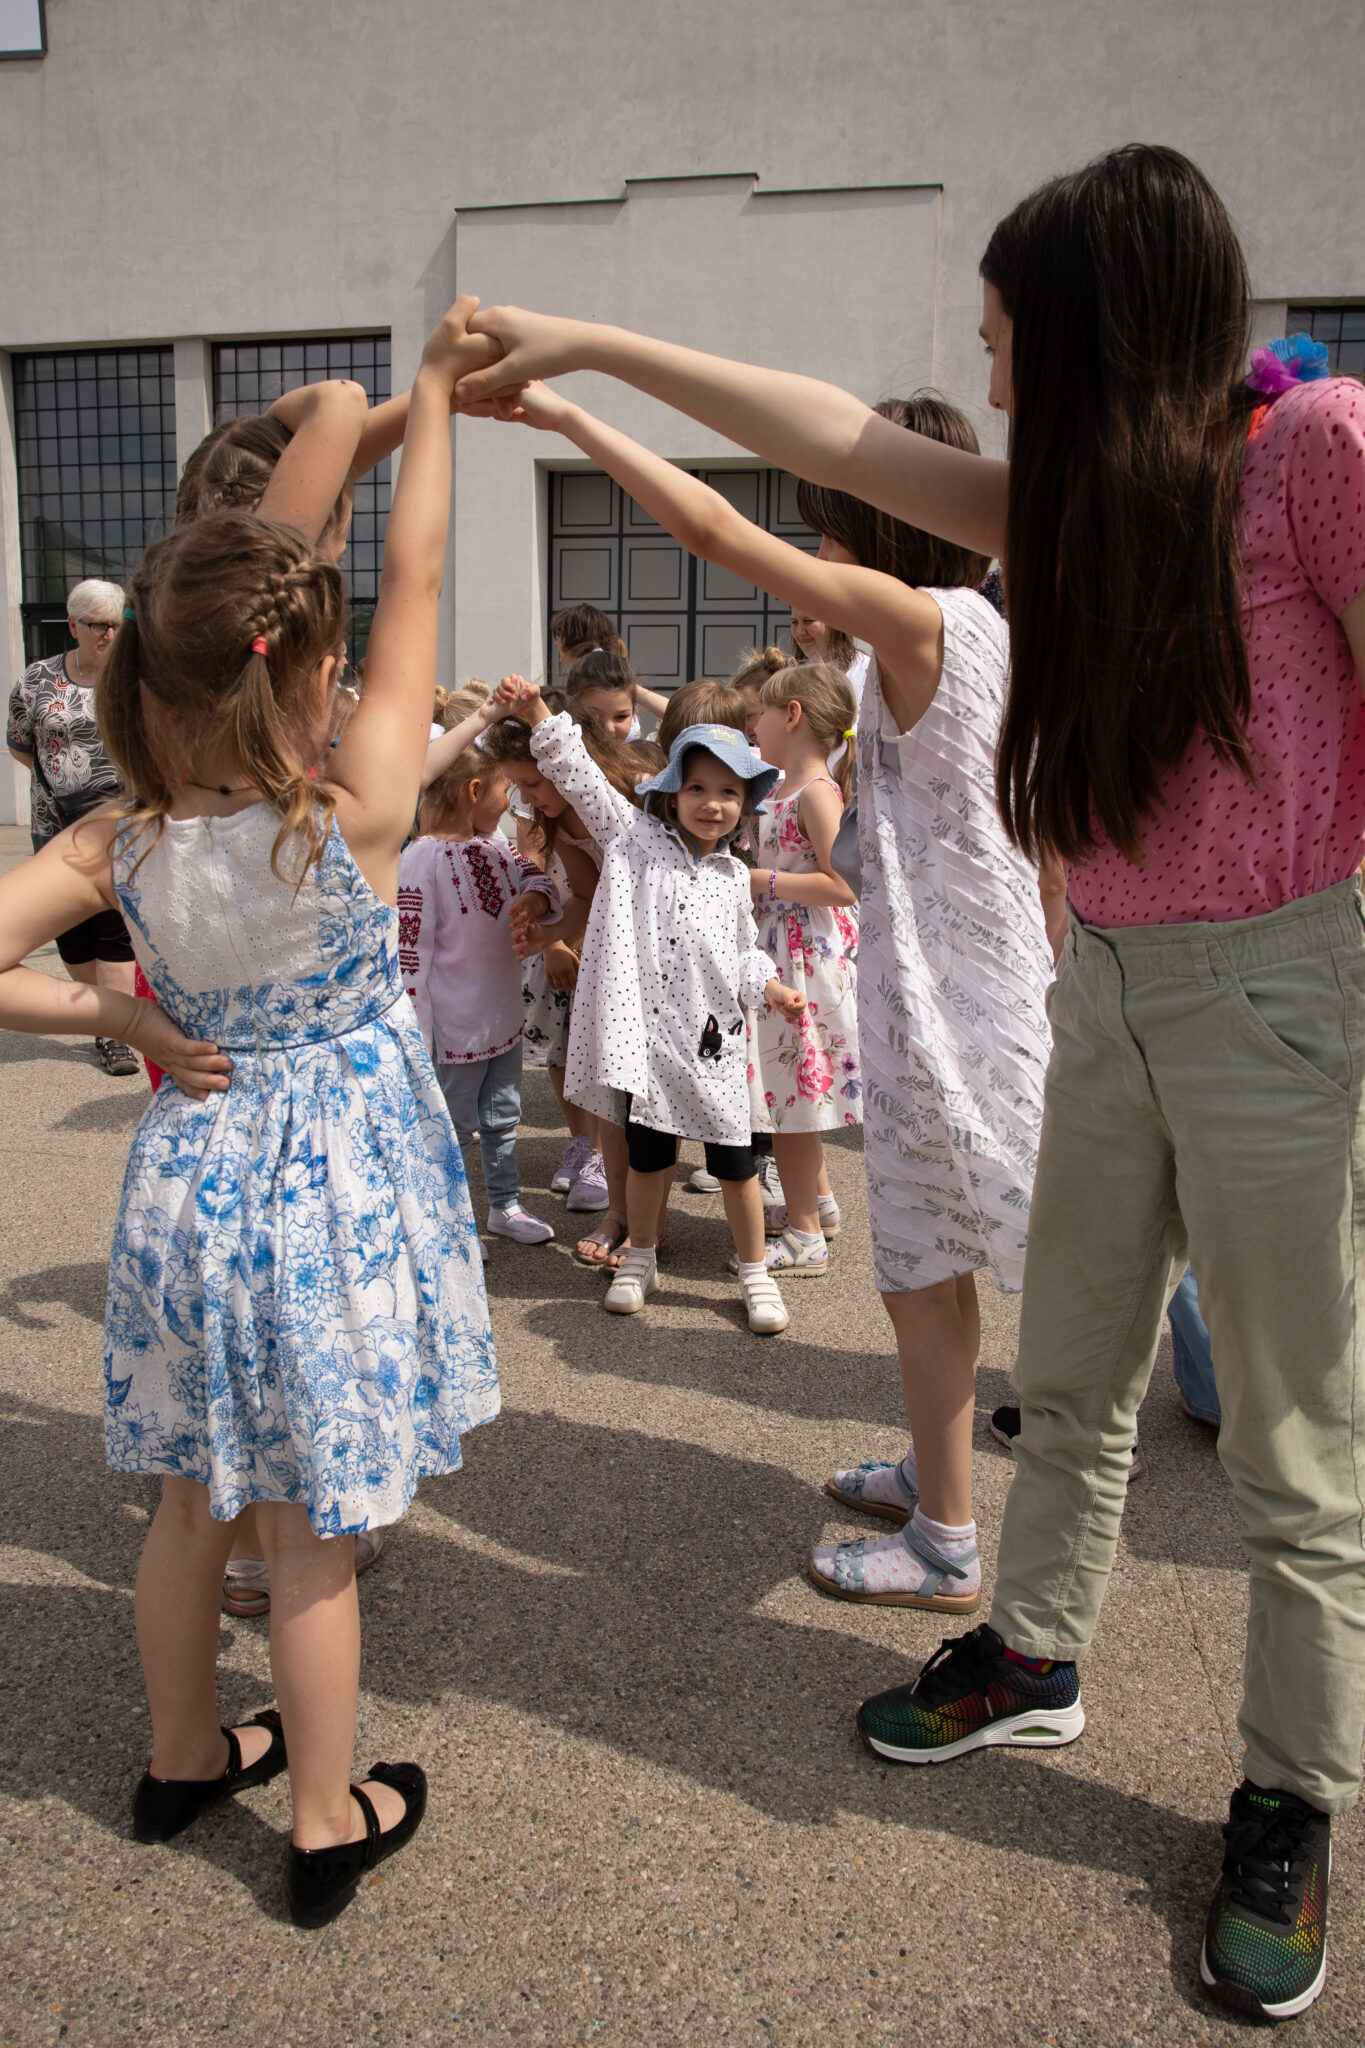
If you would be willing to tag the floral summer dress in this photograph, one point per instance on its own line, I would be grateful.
(296, 1305)
(804, 1076)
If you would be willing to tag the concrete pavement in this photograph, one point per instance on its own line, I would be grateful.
(651, 1820)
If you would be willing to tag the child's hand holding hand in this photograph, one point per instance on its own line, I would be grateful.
(197, 1069)
(531, 707)
(530, 909)
(535, 345)
(451, 351)
(788, 1000)
(501, 702)
(561, 966)
(535, 405)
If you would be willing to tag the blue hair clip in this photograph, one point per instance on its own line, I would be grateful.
(128, 612)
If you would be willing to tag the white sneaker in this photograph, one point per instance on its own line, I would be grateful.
(766, 1308)
(589, 1191)
(769, 1180)
(637, 1277)
(703, 1183)
(518, 1224)
(571, 1165)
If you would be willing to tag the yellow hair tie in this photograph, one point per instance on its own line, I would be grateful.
(851, 733)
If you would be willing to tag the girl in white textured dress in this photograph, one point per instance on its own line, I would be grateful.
(953, 958)
(296, 1314)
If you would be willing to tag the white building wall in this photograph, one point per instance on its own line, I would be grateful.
(274, 167)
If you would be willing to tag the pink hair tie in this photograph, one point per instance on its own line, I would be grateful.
(258, 645)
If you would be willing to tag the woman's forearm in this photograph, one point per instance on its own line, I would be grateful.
(813, 429)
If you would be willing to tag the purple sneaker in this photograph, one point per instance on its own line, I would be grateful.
(589, 1191)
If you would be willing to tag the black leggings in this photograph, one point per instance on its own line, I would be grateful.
(101, 937)
(654, 1151)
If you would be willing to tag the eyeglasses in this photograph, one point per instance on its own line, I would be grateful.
(98, 625)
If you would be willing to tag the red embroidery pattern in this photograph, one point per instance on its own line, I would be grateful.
(409, 929)
(487, 882)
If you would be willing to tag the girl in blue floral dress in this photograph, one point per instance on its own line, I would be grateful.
(296, 1313)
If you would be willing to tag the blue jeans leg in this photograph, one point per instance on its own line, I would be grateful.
(499, 1115)
(1192, 1352)
(486, 1094)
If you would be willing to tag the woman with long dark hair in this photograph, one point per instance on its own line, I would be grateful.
(1186, 729)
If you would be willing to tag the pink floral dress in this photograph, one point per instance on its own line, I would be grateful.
(804, 1076)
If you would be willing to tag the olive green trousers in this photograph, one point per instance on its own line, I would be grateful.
(1205, 1093)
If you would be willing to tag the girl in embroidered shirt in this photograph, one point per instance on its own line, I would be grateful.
(458, 887)
(669, 961)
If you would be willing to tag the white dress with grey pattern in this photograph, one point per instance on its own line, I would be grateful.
(953, 967)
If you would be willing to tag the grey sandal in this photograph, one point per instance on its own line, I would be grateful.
(847, 1489)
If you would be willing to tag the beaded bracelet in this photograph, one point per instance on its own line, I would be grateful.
(772, 885)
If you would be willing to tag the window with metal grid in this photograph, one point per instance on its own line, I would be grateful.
(1342, 328)
(95, 446)
(248, 376)
(679, 617)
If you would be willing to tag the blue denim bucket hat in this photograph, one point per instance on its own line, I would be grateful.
(728, 746)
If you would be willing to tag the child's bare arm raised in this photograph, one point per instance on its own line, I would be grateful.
(376, 771)
(902, 623)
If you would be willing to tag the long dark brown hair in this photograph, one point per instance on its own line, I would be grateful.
(199, 598)
(876, 540)
(1129, 295)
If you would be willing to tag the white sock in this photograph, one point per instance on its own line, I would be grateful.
(953, 1542)
(750, 1269)
(910, 1470)
(828, 1202)
(811, 1237)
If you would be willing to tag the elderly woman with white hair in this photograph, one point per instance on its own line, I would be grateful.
(51, 731)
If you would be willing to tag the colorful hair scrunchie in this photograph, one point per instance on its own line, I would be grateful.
(1293, 359)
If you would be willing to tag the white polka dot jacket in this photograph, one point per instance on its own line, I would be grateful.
(670, 963)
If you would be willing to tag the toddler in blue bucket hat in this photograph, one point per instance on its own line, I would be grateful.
(670, 961)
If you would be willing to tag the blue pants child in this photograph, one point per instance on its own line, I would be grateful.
(1193, 1355)
(485, 1095)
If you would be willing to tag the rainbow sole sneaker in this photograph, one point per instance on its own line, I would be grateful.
(1265, 1942)
(970, 1695)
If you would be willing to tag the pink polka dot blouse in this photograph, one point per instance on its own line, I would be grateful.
(1222, 847)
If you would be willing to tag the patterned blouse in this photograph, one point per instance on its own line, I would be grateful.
(54, 718)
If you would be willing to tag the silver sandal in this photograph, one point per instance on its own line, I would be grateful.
(848, 1582)
(850, 1493)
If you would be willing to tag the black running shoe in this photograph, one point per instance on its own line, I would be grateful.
(1005, 1426)
(970, 1695)
(1265, 1943)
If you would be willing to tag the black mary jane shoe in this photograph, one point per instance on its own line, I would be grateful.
(322, 1882)
(163, 1806)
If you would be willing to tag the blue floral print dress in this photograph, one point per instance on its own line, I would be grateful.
(296, 1303)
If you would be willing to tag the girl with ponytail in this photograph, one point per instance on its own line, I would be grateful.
(296, 1315)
